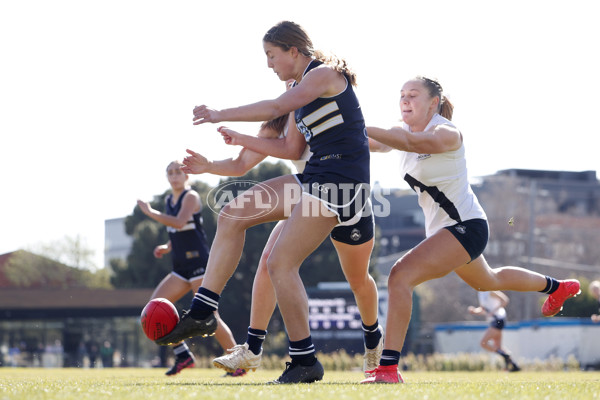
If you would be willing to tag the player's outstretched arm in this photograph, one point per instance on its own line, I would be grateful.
(438, 139)
(191, 203)
(289, 147)
(196, 163)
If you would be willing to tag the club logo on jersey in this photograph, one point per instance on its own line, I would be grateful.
(303, 129)
(237, 196)
(422, 157)
(331, 157)
(461, 229)
(192, 254)
(320, 188)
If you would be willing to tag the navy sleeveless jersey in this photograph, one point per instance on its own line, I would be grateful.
(189, 242)
(334, 128)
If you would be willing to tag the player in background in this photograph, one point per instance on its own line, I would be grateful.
(492, 305)
(353, 252)
(433, 163)
(189, 248)
(595, 292)
(333, 188)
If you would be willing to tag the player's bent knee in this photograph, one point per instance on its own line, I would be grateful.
(400, 275)
(358, 283)
(232, 220)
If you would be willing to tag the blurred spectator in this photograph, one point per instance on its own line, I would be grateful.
(106, 354)
(14, 355)
(81, 354)
(92, 349)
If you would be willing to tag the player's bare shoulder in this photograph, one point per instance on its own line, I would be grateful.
(328, 79)
(193, 199)
(449, 135)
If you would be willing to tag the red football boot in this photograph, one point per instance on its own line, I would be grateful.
(384, 374)
(554, 303)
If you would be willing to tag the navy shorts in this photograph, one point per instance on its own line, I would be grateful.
(497, 323)
(472, 234)
(191, 268)
(356, 234)
(347, 200)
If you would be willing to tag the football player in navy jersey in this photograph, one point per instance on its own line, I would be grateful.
(333, 188)
(188, 246)
(433, 163)
(353, 244)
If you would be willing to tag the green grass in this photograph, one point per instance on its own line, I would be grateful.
(203, 384)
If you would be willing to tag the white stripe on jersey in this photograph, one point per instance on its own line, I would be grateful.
(320, 113)
(330, 123)
(187, 227)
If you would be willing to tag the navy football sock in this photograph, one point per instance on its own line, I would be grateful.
(551, 285)
(204, 303)
(372, 335)
(255, 339)
(389, 357)
(303, 352)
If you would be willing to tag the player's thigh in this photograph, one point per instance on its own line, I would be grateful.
(433, 258)
(195, 283)
(354, 259)
(492, 334)
(267, 201)
(477, 274)
(172, 288)
(306, 228)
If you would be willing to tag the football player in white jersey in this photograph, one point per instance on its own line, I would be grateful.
(433, 164)
(492, 306)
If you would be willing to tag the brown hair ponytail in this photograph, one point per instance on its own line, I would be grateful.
(446, 108)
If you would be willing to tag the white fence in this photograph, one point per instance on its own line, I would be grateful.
(528, 340)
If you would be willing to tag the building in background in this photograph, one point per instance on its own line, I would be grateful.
(117, 243)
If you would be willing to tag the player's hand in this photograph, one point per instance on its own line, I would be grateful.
(195, 163)
(471, 309)
(204, 114)
(230, 136)
(161, 250)
(144, 206)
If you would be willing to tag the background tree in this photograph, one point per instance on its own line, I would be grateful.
(70, 250)
(24, 269)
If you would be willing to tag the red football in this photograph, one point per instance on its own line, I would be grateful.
(159, 317)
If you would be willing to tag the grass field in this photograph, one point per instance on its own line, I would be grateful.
(201, 384)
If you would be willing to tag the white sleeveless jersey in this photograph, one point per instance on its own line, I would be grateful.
(441, 183)
(301, 162)
(491, 303)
